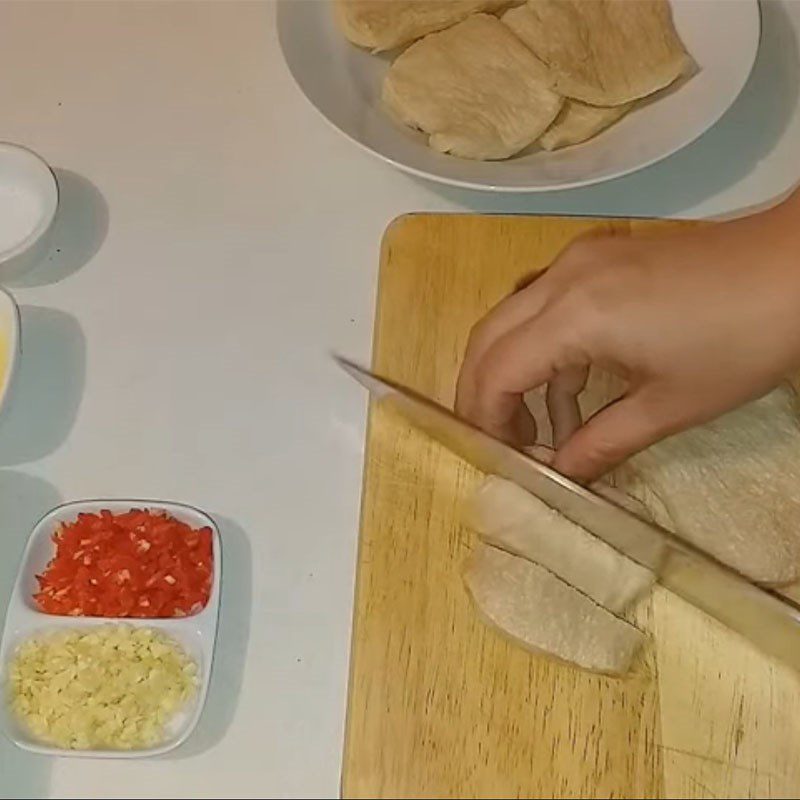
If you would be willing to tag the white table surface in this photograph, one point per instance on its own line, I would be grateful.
(216, 239)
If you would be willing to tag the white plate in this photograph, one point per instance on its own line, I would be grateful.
(344, 84)
(196, 634)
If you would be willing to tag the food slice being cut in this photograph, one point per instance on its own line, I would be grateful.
(386, 24)
(508, 517)
(545, 615)
(475, 89)
(731, 486)
(603, 52)
(579, 122)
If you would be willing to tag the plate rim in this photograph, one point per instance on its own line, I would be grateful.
(521, 189)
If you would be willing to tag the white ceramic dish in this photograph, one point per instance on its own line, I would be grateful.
(344, 83)
(28, 204)
(10, 343)
(196, 634)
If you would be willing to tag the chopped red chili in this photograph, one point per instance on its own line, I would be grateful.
(141, 563)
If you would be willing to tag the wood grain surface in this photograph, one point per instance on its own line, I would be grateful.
(441, 706)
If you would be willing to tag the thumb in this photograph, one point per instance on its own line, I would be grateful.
(614, 433)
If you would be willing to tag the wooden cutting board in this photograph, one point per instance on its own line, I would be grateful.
(441, 706)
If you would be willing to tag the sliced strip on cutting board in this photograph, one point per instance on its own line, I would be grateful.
(545, 615)
(508, 517)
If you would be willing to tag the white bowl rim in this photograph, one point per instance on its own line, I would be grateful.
(499, 188)
(52, 199)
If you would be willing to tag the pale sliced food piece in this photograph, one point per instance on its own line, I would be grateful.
(475, 89)
(579, 122)
(385, 24)
(545, 615)
(603, 52)
(508, 517)
(731, 486)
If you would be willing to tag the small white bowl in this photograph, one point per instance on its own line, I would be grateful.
(28, 204)
(196, 634)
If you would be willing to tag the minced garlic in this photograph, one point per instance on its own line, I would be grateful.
(110, 687)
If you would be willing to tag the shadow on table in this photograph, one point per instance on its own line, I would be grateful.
(728, 152)
(79, 229)
(232, 637)
(47, 390)
(24, 499)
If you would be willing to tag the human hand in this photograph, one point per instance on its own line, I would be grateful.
(696, 323)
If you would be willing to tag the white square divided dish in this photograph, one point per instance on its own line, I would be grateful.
(196, 633)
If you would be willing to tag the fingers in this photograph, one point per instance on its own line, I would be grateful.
(613, 434)
(524, 358)
(533, 294)
(523, 343)
(562, 402)
(523, 305)
(521, 429)
(542, 453)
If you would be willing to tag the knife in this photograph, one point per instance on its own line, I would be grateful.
(770, 622)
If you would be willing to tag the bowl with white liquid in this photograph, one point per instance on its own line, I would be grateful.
(28, 203)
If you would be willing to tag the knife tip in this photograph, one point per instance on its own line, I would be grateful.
(351, 367)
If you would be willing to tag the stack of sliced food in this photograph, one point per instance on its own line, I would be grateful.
(486, 79)
(730, 487)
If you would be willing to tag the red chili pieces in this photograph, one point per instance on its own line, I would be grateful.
(138, 564)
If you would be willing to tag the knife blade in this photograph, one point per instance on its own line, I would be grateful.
(770, 622)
